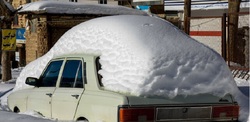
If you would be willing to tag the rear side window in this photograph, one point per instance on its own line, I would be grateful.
(49, 77)
(98, 68)
(72, 74)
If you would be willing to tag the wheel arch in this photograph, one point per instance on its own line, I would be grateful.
(16, 109)
(82, 119)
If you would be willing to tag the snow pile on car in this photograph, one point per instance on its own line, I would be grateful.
(144, 56)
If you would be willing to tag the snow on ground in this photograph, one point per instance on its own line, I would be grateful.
(6, 116)
(243, 85)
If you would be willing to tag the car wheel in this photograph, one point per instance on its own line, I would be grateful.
(82, 119)
(16, 110)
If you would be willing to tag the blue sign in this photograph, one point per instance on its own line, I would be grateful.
(20, 38)
(143, 8)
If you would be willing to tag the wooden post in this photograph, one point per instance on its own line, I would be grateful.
(223, 37)
(22, 56)
(6, 67)
(233, 10)
(187, 14)
(7, 17)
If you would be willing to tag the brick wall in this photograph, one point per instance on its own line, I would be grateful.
(44, 31)
(31, 46)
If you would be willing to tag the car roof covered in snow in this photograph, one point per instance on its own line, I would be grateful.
(144, 56)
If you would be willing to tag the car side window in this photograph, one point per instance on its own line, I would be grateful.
(72, 74)
(50, 76)
(98, 68)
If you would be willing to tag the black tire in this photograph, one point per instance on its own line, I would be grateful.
(16, 110)
(82, 119)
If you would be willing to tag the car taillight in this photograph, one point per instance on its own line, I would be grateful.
(225, 111)
(136, 114)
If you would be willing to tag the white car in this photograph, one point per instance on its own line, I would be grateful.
(92, 74)
(71, 89)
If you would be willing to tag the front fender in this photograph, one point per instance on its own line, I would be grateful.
(18, 99)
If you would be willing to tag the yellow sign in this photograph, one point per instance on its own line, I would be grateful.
(8, 39)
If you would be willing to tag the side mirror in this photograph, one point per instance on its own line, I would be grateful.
(32, 81)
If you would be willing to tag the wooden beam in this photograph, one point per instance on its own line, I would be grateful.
(187, 14)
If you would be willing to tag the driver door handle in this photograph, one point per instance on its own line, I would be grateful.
(49, 94)
(75, 95)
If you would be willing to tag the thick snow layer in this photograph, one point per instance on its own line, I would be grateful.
(144, 56)
(56, 7)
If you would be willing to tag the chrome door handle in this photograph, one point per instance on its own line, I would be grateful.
(49, 94)
(75, 96)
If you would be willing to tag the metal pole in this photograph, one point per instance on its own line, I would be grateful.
(223, 37)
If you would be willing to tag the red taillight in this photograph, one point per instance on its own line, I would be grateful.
(225, 111)
(136, 114)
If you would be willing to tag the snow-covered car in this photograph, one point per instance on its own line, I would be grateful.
(127, 69)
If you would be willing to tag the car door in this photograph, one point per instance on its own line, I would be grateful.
(39, 99)
(67, 95)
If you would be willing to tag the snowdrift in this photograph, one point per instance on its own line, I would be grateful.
(143, 55)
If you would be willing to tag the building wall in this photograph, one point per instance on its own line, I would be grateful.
(21, 20)
(31, 46)
(44, 31)
(207, 31)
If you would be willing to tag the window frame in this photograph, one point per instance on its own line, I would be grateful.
(45, 69)
(64, 60)
(76, 75)
(83, 71)
(98, 66)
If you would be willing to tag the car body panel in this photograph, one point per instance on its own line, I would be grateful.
(100, 105)
(65, 99)
(19, 99)
(39, 99)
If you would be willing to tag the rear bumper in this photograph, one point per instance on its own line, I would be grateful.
(184, 113)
